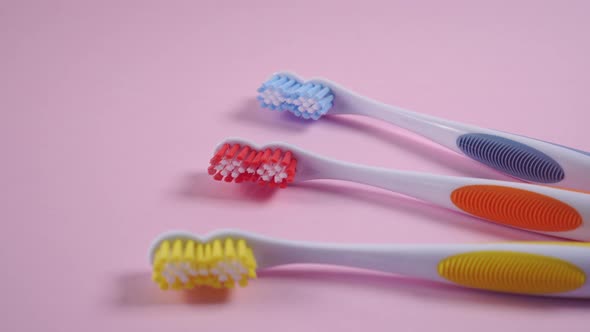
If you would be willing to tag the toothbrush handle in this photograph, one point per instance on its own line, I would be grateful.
(539, 209)
(521, 157)
(552, 269)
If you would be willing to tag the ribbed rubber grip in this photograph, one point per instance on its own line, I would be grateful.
(511, 157)
(513, 272)
(517, 207)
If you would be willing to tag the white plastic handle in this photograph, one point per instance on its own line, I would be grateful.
(551, 269)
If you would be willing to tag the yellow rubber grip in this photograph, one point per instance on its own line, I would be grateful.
(513, 272)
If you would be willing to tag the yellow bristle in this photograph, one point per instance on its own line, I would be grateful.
(208, 257)
(252, 273)
(200, 252)
(229, 249)
(157, 277)
(189, 251)
(177, 251)
(217, 251)
(177, 285)
(250, 261)
(199, 256)
(162, 253)
(242, 249)
(159, 266)
(208, 254)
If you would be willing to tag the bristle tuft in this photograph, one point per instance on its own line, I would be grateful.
(221, 263)
(272, 167)
(304, 99)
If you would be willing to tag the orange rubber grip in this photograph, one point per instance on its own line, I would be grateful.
(517, 208)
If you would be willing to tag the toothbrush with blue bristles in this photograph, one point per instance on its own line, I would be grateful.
(521, 157)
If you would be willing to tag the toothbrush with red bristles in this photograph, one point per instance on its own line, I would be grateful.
(239, 163)
(541, 209)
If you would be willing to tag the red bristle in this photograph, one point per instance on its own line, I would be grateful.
(228, 178)
(232, 151)
(219, 154)
(250, 158)
(240, 178)
(243, 153)
(290, 170)
(276, 156)
(218, 177)
(272, 184)
(261, 182)
(283, 184)
(257, 159)
(266, 155)
(292, 167)
(211, 170)
(286, 159)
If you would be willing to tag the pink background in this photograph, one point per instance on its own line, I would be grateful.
(110, 112)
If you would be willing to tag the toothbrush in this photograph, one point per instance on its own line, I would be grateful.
(181, 260)
(540, 209)
(521, 157)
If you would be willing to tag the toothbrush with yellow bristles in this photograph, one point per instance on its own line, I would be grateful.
(222, 259)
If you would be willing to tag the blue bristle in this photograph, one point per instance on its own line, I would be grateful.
(287, 84)
(281, 80)
(304, 88)
(323, 93)
(314, 90)
(274, 78)
(327, 100)
(511, 157)
(290, 89)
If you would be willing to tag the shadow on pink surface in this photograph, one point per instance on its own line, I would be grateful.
(136, 289)
(252, 113)
(201, 185)
(425, 290)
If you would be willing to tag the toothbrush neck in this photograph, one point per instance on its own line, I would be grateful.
(438, 130)
(398, 259)
(427, 187)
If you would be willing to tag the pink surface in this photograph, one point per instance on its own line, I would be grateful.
(110, 112)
